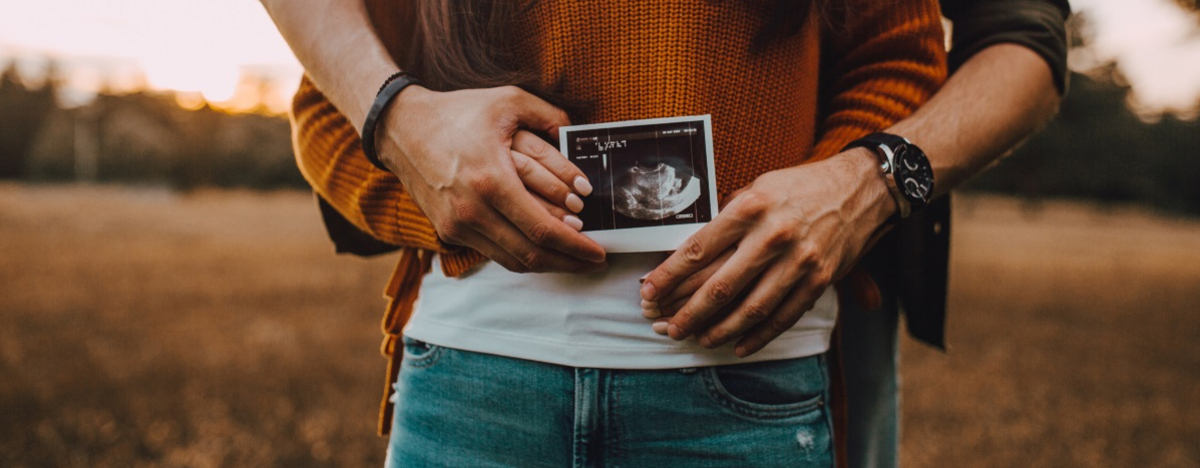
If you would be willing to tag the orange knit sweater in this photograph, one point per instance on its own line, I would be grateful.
(633, 59)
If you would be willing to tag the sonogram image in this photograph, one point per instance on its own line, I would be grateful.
(644, 175)
(654, 193)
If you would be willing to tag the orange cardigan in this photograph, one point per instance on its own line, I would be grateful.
(632, 59)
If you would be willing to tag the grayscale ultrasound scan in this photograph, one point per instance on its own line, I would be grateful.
(656, 193)
(653, 179)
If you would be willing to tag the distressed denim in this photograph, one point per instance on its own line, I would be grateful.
(458, 408)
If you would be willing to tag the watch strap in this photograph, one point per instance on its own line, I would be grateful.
(882, 144)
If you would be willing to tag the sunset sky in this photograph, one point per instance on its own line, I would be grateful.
(207, 46)
(188, 45)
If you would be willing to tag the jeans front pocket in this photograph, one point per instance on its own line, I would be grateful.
(770, 389)
(420, 354)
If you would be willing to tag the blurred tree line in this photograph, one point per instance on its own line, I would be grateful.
(1095, 149)
(139, 138)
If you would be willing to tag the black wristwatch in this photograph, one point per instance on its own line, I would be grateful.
(905, 168)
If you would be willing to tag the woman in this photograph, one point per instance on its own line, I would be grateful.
(570, 367)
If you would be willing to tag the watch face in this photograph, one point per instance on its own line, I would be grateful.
(913, 174)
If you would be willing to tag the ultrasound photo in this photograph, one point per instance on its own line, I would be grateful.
(653, 180)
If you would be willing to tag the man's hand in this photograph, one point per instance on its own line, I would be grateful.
(487, 183)
(770, 254)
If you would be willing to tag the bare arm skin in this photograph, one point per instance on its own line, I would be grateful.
(340, 52)
(467, 158)
(997, 98)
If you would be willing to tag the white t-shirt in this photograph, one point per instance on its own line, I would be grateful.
(581, 320)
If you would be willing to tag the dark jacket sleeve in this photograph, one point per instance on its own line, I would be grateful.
(913, 259)
(1039, 25)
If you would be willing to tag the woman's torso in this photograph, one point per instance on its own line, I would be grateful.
(625, 60)
(632, 59)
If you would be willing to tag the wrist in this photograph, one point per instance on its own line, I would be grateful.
(904, 168)
(364, 83)
(870, 186)
(401, 116)
(381, 108)
(408, 99)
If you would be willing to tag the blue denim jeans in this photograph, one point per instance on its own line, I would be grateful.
(458, 408)
(871, 361)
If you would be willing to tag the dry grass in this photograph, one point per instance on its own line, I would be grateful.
(1074, 342)
(149, 329)
(143, 328)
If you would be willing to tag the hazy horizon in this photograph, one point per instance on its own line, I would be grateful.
(207, 47)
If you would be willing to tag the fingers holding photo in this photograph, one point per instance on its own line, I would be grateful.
(561, 213)
(552, 160)
(523, 211)
(539, 180)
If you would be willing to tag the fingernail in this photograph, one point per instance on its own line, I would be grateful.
(647, 291)
(643, 278)
(574, 222)
(649, 304)
(574, 203)
(675, 332)
(740, 351)
(659, 327)
(651, 313)
(583, 186)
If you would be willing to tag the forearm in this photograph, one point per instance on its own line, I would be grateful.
(340, 52)
(329, 156)
(439, 186)
(999, 97)
(891, 62)
(344, 63)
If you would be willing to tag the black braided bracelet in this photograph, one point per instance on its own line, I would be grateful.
(391, 87)
(390, 79)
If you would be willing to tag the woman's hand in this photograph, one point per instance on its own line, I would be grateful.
(770, 254)
(485, 181)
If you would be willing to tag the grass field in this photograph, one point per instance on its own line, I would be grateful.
(143, 328)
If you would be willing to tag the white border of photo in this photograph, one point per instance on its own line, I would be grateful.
(654, 238)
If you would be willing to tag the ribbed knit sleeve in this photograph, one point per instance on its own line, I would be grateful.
(329, 153)
(883, 62)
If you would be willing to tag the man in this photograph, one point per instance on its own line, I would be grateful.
(1009, 64)
(1008, 61)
